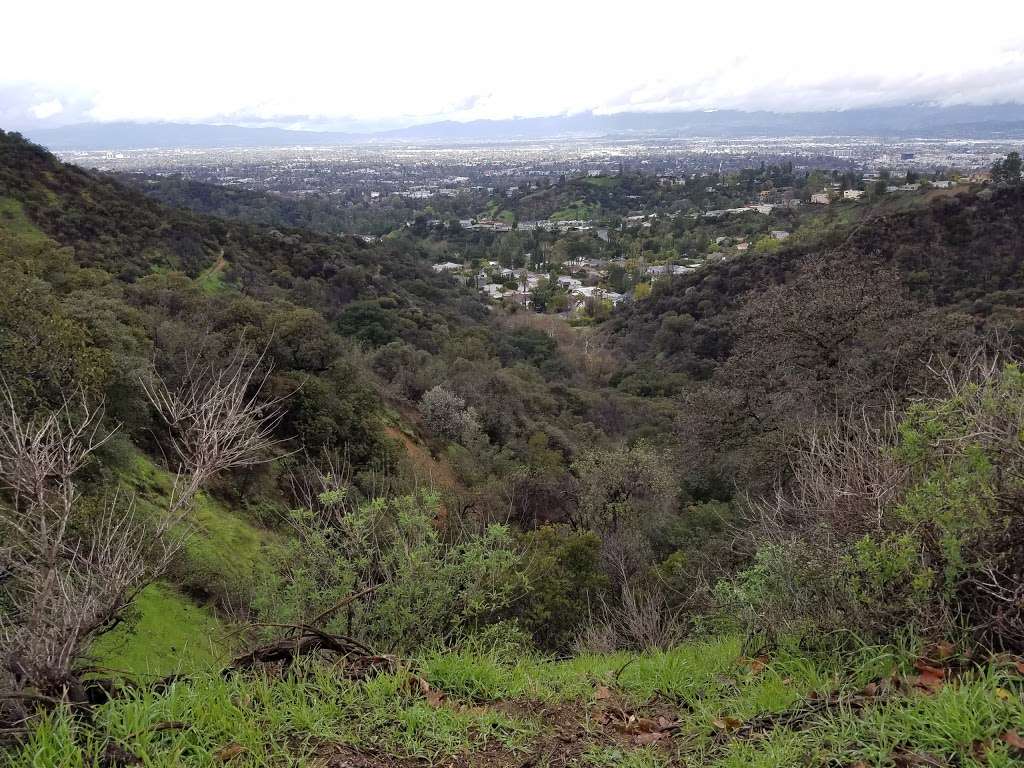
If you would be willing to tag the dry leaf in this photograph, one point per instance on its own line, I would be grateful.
(942, 650)
(871, 689)
(230, 752)
(913, 759)
(646, 739)
(930, 679)
(1013, 740)
(603, 692)
(726, 723)
(434, 698)
(925, 668)
(641, 725)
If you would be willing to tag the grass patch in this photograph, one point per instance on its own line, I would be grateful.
(167, 631)
(166, 634)
(601, 182)
(211, 280)
(578, 210)
(263, 722)
(299, 719)
(223, 549)
(14, 222)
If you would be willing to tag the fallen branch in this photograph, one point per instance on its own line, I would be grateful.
(308, 640)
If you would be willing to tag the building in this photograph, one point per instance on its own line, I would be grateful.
(853, 194)
(821, 198)
(779, 234)
(569, 283)
(448, 266)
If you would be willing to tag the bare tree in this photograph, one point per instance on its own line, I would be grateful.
(68, 574)
(217, 419)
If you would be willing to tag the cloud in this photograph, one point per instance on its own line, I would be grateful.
(385, 63)
(46, 109)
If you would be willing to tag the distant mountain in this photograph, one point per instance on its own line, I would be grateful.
(1004, 121)
(113, 136)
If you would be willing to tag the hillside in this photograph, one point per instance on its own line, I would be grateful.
(276, 496)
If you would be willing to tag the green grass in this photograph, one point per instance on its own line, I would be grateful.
(298, 719)
(269, 722)
(14, 221)
(223, 556)
(223, 550)
(19, 236)
(166, 634)
(577, 210)
(211, 280)
(601, 182)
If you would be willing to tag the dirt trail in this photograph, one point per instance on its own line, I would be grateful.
(436, 472)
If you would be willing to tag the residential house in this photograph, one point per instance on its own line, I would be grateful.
(569, 283)
(853, 194)
(448, 266)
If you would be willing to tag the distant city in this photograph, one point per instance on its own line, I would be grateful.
(371, 173)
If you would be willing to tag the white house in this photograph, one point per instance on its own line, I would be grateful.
(779, 234)
(821, 198)
(853, 194)
(448, 266)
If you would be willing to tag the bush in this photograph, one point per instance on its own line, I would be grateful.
(422, 589)
(445, 414)
(566, 583)
(912, 523)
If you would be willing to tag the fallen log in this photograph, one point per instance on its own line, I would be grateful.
(309, 640)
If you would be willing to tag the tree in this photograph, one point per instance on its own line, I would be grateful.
(71, 571)
(446, 415)
(623, 493)
(834, 335)
(1008, 170)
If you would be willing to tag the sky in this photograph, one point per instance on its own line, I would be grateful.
(357, 64)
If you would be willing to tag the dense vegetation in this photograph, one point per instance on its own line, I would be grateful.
(770, 513)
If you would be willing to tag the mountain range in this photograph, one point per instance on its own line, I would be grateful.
(1003, 121)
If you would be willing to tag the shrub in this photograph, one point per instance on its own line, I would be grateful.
(912, 522)
(420, 588)
(566, 582)
(445, 414)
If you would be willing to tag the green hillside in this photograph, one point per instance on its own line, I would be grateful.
(274, 496)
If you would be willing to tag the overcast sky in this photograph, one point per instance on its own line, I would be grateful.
(382, 63)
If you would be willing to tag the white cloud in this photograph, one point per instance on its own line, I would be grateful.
(46, 109)
(331, 62)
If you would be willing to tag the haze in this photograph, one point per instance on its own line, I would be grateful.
(387, 64)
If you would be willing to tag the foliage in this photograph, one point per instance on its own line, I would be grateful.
(446, 415)
(785, 708)
(567, 582)
(419, 588)
(913, 524)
